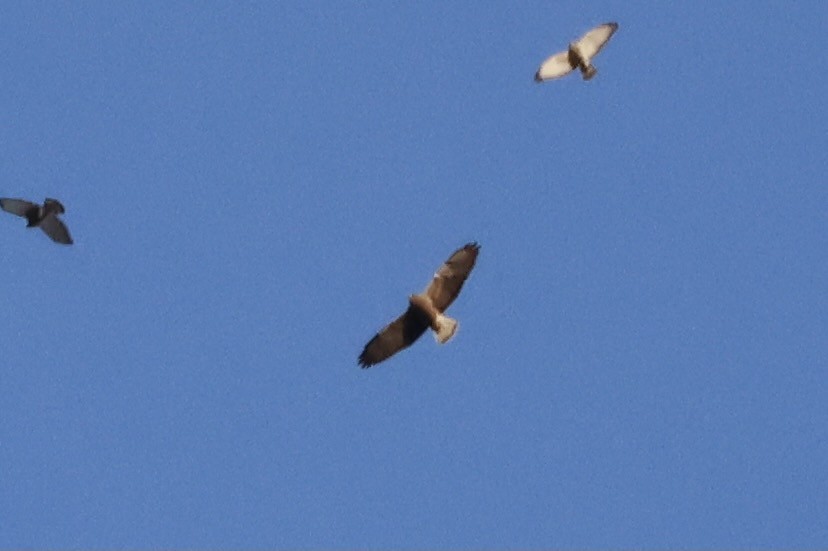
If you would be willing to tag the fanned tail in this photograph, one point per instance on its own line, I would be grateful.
(446, 328)
(589, 72)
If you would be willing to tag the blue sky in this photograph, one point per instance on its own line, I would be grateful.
(255, 188)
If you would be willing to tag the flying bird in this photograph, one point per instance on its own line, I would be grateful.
(578, 56)
(44, 217)
(425, 310)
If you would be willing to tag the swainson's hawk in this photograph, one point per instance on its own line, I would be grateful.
(578, 56)
(425, 310)
(44, 217)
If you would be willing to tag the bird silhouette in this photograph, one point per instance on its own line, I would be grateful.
(43, 216)
(578, 56)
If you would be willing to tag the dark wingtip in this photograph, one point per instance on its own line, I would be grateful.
(363, 362)
(538, 78)
(472, 245)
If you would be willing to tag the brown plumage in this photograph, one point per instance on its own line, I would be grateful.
(425, 310)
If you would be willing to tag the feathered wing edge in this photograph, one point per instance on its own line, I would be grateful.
(555, 66)
(594, 40)
(18, 207)
(56, 229)
(448, 281)
(397, 335)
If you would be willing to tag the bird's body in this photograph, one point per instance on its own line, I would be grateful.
(579, 60)
(579, 55)
(425, 310)
(43, 216)
(443, 326)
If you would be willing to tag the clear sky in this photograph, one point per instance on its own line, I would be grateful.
(254, 189)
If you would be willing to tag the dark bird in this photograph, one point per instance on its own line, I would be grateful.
(578, 56)
(44, 217)
(425, 310)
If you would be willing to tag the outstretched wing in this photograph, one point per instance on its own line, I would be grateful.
(398, 334)
(592, 42)
(54, 228)
(17, 206)
(449, 279)
(555, 66)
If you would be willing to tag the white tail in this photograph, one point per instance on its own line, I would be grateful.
(446, 328)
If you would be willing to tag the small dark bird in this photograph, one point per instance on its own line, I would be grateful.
(425, 310)
(44, 217)
(578, 56)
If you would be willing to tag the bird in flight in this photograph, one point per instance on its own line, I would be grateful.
(425, 310)
(578, 56)
(43, 216)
